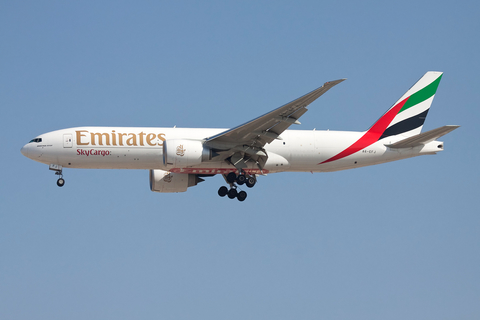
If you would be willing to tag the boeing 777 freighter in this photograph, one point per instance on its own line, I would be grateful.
(178, 158)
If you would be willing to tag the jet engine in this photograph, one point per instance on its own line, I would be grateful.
(184, 153)
(164, 181)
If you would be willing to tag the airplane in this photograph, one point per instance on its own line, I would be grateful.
(179, 158)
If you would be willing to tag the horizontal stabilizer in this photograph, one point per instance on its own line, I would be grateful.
(422, 138)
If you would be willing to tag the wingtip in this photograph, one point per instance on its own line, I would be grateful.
(335, 82)
(453, 126)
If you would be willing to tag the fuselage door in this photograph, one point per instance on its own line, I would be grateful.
(67, 140)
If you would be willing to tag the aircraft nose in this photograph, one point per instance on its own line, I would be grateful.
(25, 151)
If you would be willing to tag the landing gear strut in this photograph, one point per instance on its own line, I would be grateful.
(233, 180)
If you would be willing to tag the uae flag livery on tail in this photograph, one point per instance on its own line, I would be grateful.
(405, 117)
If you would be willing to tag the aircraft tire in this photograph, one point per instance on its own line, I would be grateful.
(60, 182)
(241, 179)
(232, 193)
(241, 196)
(251, 182)
(231, 177)
(222, 192)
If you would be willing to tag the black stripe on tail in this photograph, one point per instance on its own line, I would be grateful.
(405, 125)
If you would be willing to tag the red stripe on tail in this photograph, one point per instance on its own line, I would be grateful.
(372, 135)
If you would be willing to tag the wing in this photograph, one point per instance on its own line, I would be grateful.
(244, 144)
(266, 128)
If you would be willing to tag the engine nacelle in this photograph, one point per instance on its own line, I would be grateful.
(164, 181)
(184, 153)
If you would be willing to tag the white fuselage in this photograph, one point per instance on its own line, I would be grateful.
(142, 148)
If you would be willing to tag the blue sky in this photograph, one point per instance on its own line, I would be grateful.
(394, 241)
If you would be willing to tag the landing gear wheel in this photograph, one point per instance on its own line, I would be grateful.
(232, 193)
(241, 179)
(231, 177)
(241, 196)
(60, 182)
(251, 182)
(222, 192)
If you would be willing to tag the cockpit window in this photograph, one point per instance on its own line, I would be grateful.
(36, 140)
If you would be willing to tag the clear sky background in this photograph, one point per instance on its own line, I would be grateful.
(393, 241)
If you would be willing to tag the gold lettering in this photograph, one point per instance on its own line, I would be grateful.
(141, 134)
(79, 138)
(161, 136)
(150, 137)
(120, 138)
(100, 140)
(114, 138)
(132, 141)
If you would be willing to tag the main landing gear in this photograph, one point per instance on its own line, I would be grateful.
(233, 180)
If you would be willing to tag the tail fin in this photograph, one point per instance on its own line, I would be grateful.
(408, 114)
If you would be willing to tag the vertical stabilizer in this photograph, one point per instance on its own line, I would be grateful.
(410, 111)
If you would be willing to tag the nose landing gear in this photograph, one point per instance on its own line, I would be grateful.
(233, 180)
(58, 171)
(60, 181)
